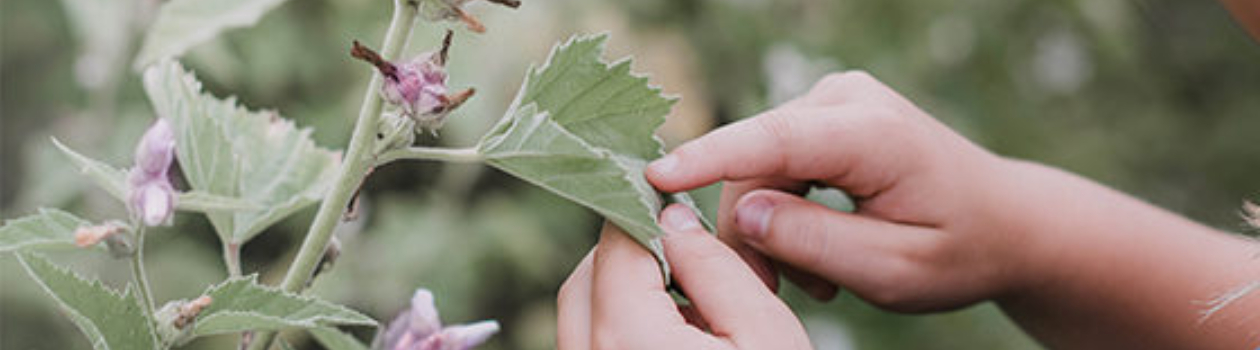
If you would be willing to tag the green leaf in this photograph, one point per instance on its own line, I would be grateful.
(49, 228)
(182, 24)
(284, 344)
(335, 339)
(583, 129)
(208, 202)
(113, 181)
(231, 152)
(110, 320)
(110, 179)
(241, 304)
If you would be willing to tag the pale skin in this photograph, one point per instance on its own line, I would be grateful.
(941, 224)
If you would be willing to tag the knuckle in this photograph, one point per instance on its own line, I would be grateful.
(844, 80)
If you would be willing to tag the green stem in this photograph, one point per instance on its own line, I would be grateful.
(453, 155)
(232, 258)
(355, 167)
(142, 282)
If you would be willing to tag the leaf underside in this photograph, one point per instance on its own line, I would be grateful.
(241, 304)
(228, 151)
(584, 129)
(111, 321)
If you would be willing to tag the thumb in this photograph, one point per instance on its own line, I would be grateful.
(875, 259)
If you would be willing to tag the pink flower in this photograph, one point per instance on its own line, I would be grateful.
(418, 86)
(151, 197)
(419, 328)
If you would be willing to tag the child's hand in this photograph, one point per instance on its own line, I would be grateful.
(942, 223)
(917, 241)
(615, 299)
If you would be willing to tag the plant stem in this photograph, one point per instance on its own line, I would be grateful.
(453, 155)
(232, 258)
(356, 165)
(142, 282)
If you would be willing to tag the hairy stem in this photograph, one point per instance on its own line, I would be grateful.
(142, 283)
(356, 165)
(232, 258)
(453, 155)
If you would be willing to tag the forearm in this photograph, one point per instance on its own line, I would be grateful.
(1107, 271)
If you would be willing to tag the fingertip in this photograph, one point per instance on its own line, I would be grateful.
(666, 173)
(679, 218)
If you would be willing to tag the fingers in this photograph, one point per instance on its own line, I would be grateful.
(852, 87)
(731, 191)
(880, 261)
(574, 307)
(815, 286)
(727, 294)
(630, 308)
(823, 144)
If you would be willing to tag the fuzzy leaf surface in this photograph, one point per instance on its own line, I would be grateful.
(241, 304)
(49, 228)
(584, 129)
(111, 321)
(228, 151)
(113, 181)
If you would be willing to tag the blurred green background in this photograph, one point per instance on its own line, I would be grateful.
(1155, 97)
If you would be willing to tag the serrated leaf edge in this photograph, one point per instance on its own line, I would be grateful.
(252, 280)
(96, 337)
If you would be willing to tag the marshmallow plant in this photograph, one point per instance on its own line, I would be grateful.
(579, 127)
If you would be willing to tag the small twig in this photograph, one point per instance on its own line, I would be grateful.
(450, 155)
(364, 53)
(142, 281)
(446, 46)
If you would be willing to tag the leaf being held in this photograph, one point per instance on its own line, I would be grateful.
(111, 321)
(229, 151)
(182, 24)
(49, 228)
(241, 304)
(584, 129)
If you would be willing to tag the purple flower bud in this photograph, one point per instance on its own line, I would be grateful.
(151, 197)
(419, 328)
(157, 148)
(418, 87)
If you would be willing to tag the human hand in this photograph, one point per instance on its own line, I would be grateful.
(919, 240)
(616, 299)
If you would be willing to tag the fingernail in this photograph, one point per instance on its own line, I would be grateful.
(753, 217)
(665, 165)
(679, 218)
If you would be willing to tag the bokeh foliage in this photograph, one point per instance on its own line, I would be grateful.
(1154, 97)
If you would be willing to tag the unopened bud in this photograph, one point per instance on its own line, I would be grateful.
(189, 311)
(87, 236)
(151, 197)
(417, 87)
(176, 319)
